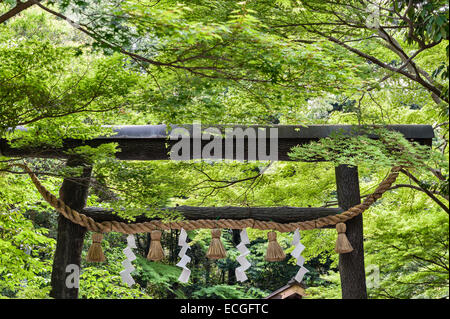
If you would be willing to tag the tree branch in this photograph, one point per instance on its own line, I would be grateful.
(21, 6)
(430, 194)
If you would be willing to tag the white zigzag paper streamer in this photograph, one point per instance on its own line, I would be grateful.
(126, 273)
(296, 253)
(242, 258)
(185, 259)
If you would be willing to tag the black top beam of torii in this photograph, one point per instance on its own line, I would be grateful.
(153, 142)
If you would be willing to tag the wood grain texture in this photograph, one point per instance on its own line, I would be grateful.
(276, 214)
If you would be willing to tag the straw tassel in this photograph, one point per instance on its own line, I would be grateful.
(274, 250)
(156, 251)
(216, 249)
(343, 246)
(95, 252)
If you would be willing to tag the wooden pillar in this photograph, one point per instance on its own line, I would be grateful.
(70, 236)
(351, 265)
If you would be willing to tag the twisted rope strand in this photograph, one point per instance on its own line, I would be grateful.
(145, 227)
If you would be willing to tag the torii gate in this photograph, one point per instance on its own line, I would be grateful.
(150, 142)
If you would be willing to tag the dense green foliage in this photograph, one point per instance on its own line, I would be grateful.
(223, 62)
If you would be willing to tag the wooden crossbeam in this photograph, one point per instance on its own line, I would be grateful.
(275, 214)
(151, 142)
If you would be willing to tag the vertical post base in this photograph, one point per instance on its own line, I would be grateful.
(69, 245)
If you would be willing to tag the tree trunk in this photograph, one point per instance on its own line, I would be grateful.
(70, 237)
(351, 265)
